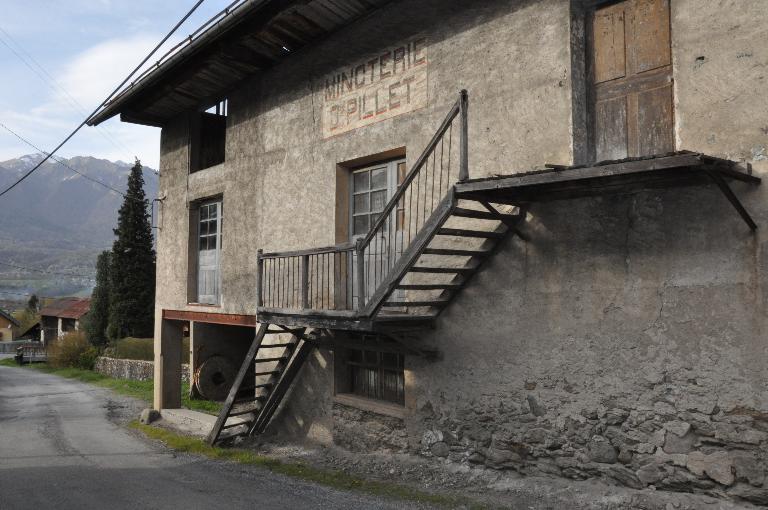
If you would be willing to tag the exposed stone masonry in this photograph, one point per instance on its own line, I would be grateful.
(681, 442)
(135, 370)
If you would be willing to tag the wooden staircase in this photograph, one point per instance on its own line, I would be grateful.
(263, 380)
(435, 270)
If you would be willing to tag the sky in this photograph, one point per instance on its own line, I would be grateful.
(85, 49)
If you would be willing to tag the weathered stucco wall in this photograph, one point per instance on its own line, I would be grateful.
(633, 328)
(625, 341)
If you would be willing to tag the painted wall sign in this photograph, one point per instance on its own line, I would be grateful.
(389, 84)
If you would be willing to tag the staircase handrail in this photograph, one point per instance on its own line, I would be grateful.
(459, 108)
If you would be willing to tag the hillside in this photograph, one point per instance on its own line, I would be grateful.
(58, 221)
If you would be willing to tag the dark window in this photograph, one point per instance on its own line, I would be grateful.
(209, 136)
(376, 375)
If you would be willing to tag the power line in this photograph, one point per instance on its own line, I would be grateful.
(117, 89)
(66, 165)
(49, 80)
(90, 277)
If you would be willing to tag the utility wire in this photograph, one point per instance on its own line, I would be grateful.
(117, 89)
(62, 163)
(24, 56)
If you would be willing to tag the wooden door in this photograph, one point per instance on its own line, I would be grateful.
(631, 75)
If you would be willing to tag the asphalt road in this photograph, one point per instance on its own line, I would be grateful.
(60, 447)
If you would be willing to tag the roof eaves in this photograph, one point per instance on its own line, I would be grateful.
(218, 29)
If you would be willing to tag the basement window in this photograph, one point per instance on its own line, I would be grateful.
(372, 374)
(208, 137)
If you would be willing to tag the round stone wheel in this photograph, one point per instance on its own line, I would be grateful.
(214, 378)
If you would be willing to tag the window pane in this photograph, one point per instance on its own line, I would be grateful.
(204, 212)
(361, 181)
(212, 227)
(212, 211)
(379, 178)
(203, 243)
(360, 225)
(378, 200)
(361, 204)
(203, 228)
(212, 242)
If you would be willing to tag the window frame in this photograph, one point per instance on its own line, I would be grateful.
(346, 365)
(217, 112)
(215, 298)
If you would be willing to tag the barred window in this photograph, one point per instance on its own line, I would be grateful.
(376, 375)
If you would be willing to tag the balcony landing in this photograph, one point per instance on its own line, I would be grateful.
(346, 320)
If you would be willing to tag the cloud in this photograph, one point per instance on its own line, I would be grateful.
(95, 72)
(88, 78)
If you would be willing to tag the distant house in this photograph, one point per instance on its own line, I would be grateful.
(31, 333)
(61, 316)
(8, 326)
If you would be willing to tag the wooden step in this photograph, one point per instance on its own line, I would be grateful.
(442, 270)
(268, 372)
(249, 397)
(242, 412)
(282, 332)
(436, 303)
(458, 232)
(249, 400)
(429, 286)
(267, 360)
(277, 346)
(238, 424)
(481, 215)
(452, 251)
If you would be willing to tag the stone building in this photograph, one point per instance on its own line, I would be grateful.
(562, 272)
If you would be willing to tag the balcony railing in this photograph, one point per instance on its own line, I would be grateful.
(357, 277)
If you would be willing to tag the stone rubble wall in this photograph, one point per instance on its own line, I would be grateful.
(135, 370)
(682, 442)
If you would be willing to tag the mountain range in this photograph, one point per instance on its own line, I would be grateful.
(56, 222)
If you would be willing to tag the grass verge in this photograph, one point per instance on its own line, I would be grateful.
(331, 478)
(141, 390)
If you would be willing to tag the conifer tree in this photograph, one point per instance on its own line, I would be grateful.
(132, 273)
(98, 317)
(33, 304)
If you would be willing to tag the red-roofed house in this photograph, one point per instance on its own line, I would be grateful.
(8, 326)
(61, 316)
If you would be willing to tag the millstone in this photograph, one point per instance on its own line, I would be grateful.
(214, 378)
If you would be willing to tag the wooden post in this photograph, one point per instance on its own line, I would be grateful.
(260, 278)
(305, 282)
(360, 250)
(464, 146)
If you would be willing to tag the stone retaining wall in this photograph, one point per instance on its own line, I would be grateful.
(135, 370)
